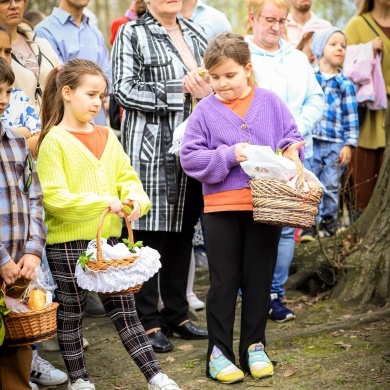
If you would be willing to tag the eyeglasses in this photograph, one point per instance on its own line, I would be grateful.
(27, 172)
(271, 21)
(7, 3)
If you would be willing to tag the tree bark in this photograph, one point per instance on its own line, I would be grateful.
(367, 271)
(363, 272)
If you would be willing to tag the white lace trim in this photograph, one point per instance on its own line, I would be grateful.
(121, 278)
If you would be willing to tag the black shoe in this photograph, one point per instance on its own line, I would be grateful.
(187, 331)
(329, 225)
(309, 234)
(160, 342)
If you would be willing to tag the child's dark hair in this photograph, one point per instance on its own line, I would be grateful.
(6, 72)
(228, 46)
(71, 74)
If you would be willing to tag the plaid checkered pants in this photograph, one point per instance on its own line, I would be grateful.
(120, 309)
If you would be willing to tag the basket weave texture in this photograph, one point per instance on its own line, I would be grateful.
(31, 327)
(102, 265)
(276, 203)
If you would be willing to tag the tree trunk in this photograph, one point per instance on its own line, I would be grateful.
(363, 273)
(367, 271)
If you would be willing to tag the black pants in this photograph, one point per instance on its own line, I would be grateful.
(242, 253)
(175, 250)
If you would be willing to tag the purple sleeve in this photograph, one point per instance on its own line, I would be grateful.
(198, 159)
(291, 134)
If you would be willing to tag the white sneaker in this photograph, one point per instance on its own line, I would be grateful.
(52, 344)
(164, 384)
(81, 384)
(194, 302)
(33, 386)
(43, 373)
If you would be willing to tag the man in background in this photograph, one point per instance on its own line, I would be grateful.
(300, 14)
(71, 35)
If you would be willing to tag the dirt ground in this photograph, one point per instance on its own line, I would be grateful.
(326, 347)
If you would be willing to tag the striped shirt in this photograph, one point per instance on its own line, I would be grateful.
(147, 80)
(339, 121)
(21, 211)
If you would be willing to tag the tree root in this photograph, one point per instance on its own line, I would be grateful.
(349, 323)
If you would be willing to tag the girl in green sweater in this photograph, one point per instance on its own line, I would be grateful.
(83, 169)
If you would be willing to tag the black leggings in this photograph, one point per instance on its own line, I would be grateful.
(242, 254)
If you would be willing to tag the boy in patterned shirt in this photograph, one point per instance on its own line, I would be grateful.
(23, 233)
(337, 132)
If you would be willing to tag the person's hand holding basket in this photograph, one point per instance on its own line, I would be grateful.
(284, 193)
(118, 269)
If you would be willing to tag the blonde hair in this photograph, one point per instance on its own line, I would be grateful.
(71, 74)
(256, 6)
(228, 46)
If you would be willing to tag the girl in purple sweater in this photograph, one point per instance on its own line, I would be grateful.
(242, 253)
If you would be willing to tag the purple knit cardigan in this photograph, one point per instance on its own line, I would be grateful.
(213, 130)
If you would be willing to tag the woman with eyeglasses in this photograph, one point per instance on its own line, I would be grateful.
(287, 72)
(32, 58)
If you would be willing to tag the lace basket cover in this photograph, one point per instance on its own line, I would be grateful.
(117, 278)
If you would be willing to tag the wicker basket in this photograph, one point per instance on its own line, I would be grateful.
(30, 327)
(101, 265)
(276, 203)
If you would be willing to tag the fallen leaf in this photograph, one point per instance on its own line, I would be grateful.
(170, 360)
(311, 347)
(289, 373)
(185, 347)
(343, 345)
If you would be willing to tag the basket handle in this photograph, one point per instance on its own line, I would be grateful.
(3, 288)
(99, 252)
(300, 171)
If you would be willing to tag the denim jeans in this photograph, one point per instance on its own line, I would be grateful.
(326, 167)
(285, 253)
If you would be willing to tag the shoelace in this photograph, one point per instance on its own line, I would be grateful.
(42, 365)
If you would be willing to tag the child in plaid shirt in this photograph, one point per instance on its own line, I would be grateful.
(337, 132)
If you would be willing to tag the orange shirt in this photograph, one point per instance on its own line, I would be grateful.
(235, 200)
(240, 105)
(95, 141)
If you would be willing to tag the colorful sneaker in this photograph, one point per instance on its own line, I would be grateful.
(309, 234)
(259, 364)
(164, 383)
(81, 384)
(43, 373)
(194, 301)
(222, 369)
(278, 311)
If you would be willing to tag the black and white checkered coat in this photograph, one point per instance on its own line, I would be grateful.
(147, 79)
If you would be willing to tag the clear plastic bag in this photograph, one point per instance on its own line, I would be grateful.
(264, 163)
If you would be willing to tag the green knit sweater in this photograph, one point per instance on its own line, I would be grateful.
(76, 186)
